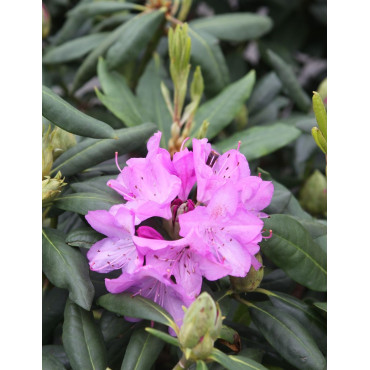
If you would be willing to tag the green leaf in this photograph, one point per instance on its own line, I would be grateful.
(91, 152)
(73, 49)
(235, 362)
(221, 110)
(290, 82)
(49, 362)
(101, 8)
(134, 37)
(201, 365)
(66, 267)
(64, 115)
(320, 113)
(287, 336)
(112, 325)
(57, 351)
(83, 202)
(206, 52)
(265, 91)
(164, 336)
(236, 27)
(269, 113)
(118, 97)
(322, 306)
(136, 306)
(257, 142)
(151, 98)
(82, 339)
(292, 249)
(142, 351)
(83, 237)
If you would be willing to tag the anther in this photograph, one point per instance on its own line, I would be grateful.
(116, 155)
(212, 158)
(259, 174)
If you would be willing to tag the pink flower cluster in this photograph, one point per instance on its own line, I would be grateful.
(212, 236)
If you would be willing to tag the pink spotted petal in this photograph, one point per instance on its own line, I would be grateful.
(184, 165)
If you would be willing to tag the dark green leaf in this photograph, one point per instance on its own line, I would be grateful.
(113, 325)
(83, 202)
(142, 351)
(102, 7)
(91, 152)
(118, 97)
(73, 49)
(290, 82)
(151, 99)
(136, 34)
(83, 237)
(57, 351)
(49, 362)
(292, 249)
(322, 306)
(82, 339)
(164, 336)
(236, 27)
(235, 362)
(206, 52)
(66, 268)
(287, 336)
(136, 306)
(257, 142)
(270, 113)
(64, 115)
(221, 110)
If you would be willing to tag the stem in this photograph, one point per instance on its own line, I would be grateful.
(241, 300)
(182, 364)
(264, 291)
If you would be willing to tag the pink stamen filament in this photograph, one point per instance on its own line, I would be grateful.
(267, 237)
(183, 143)
(239, 142)
(116, 156)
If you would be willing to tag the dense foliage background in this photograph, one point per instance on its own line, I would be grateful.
(103, 64)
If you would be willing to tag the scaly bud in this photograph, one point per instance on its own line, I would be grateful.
(313, 195)
(47, 153)
(51, 187)
(61, 141)
(251, 281)
(185, 8)
(46, 23)
(323, 90)
(320, 113)
(319, 139)
(202, 133)
(201, 327)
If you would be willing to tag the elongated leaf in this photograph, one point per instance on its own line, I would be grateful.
(221, 110)
(322, 306)
(151, 99)
(83, 202)
(82, 340)
(206, 52)
(142, 351)
(257, 142)
(83, 237)
(290, 82)
(118, 97)
(102, 7)
(234, 27)
(66, 268)
(265, 91)
(57, 351)
(134, 37)
(201, 365)
(73, 49)
(64, 115)
(287, 336)
(49, 362)
(164, 336)
(235, 362)
(137, 306)
(292, 249)
(269, 113)
(113, 325)
(91, 152)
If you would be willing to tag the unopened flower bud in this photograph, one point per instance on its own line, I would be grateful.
(45, 22)
(47, 161)
(51, 187)
(202, 133)
(313, 195)
(61, 140)
(201, 327)
(251, 281)
(178, 207)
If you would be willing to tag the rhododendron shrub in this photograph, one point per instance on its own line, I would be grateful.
(183, 185)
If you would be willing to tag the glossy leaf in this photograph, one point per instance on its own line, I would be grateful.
(102, 7)
(320, 113)
(142, 351)
(57, 351)
(269, 113)
(201, 365)
(287, 336)
(289, 80)
(82, 339)
(236, 27)
(73, 49)
(220, 110)
(257, 142)
(83, 237)
(118, 97)
(322, 306)
(206, 52)
(164, 336)
(91, 152)
(66, 267)
(113, 325)
(49, 362)
(292, 249)
(235, 362)
(83, 202)
(151, 99)
(137, 306)
(64, 115)
(136, 34)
